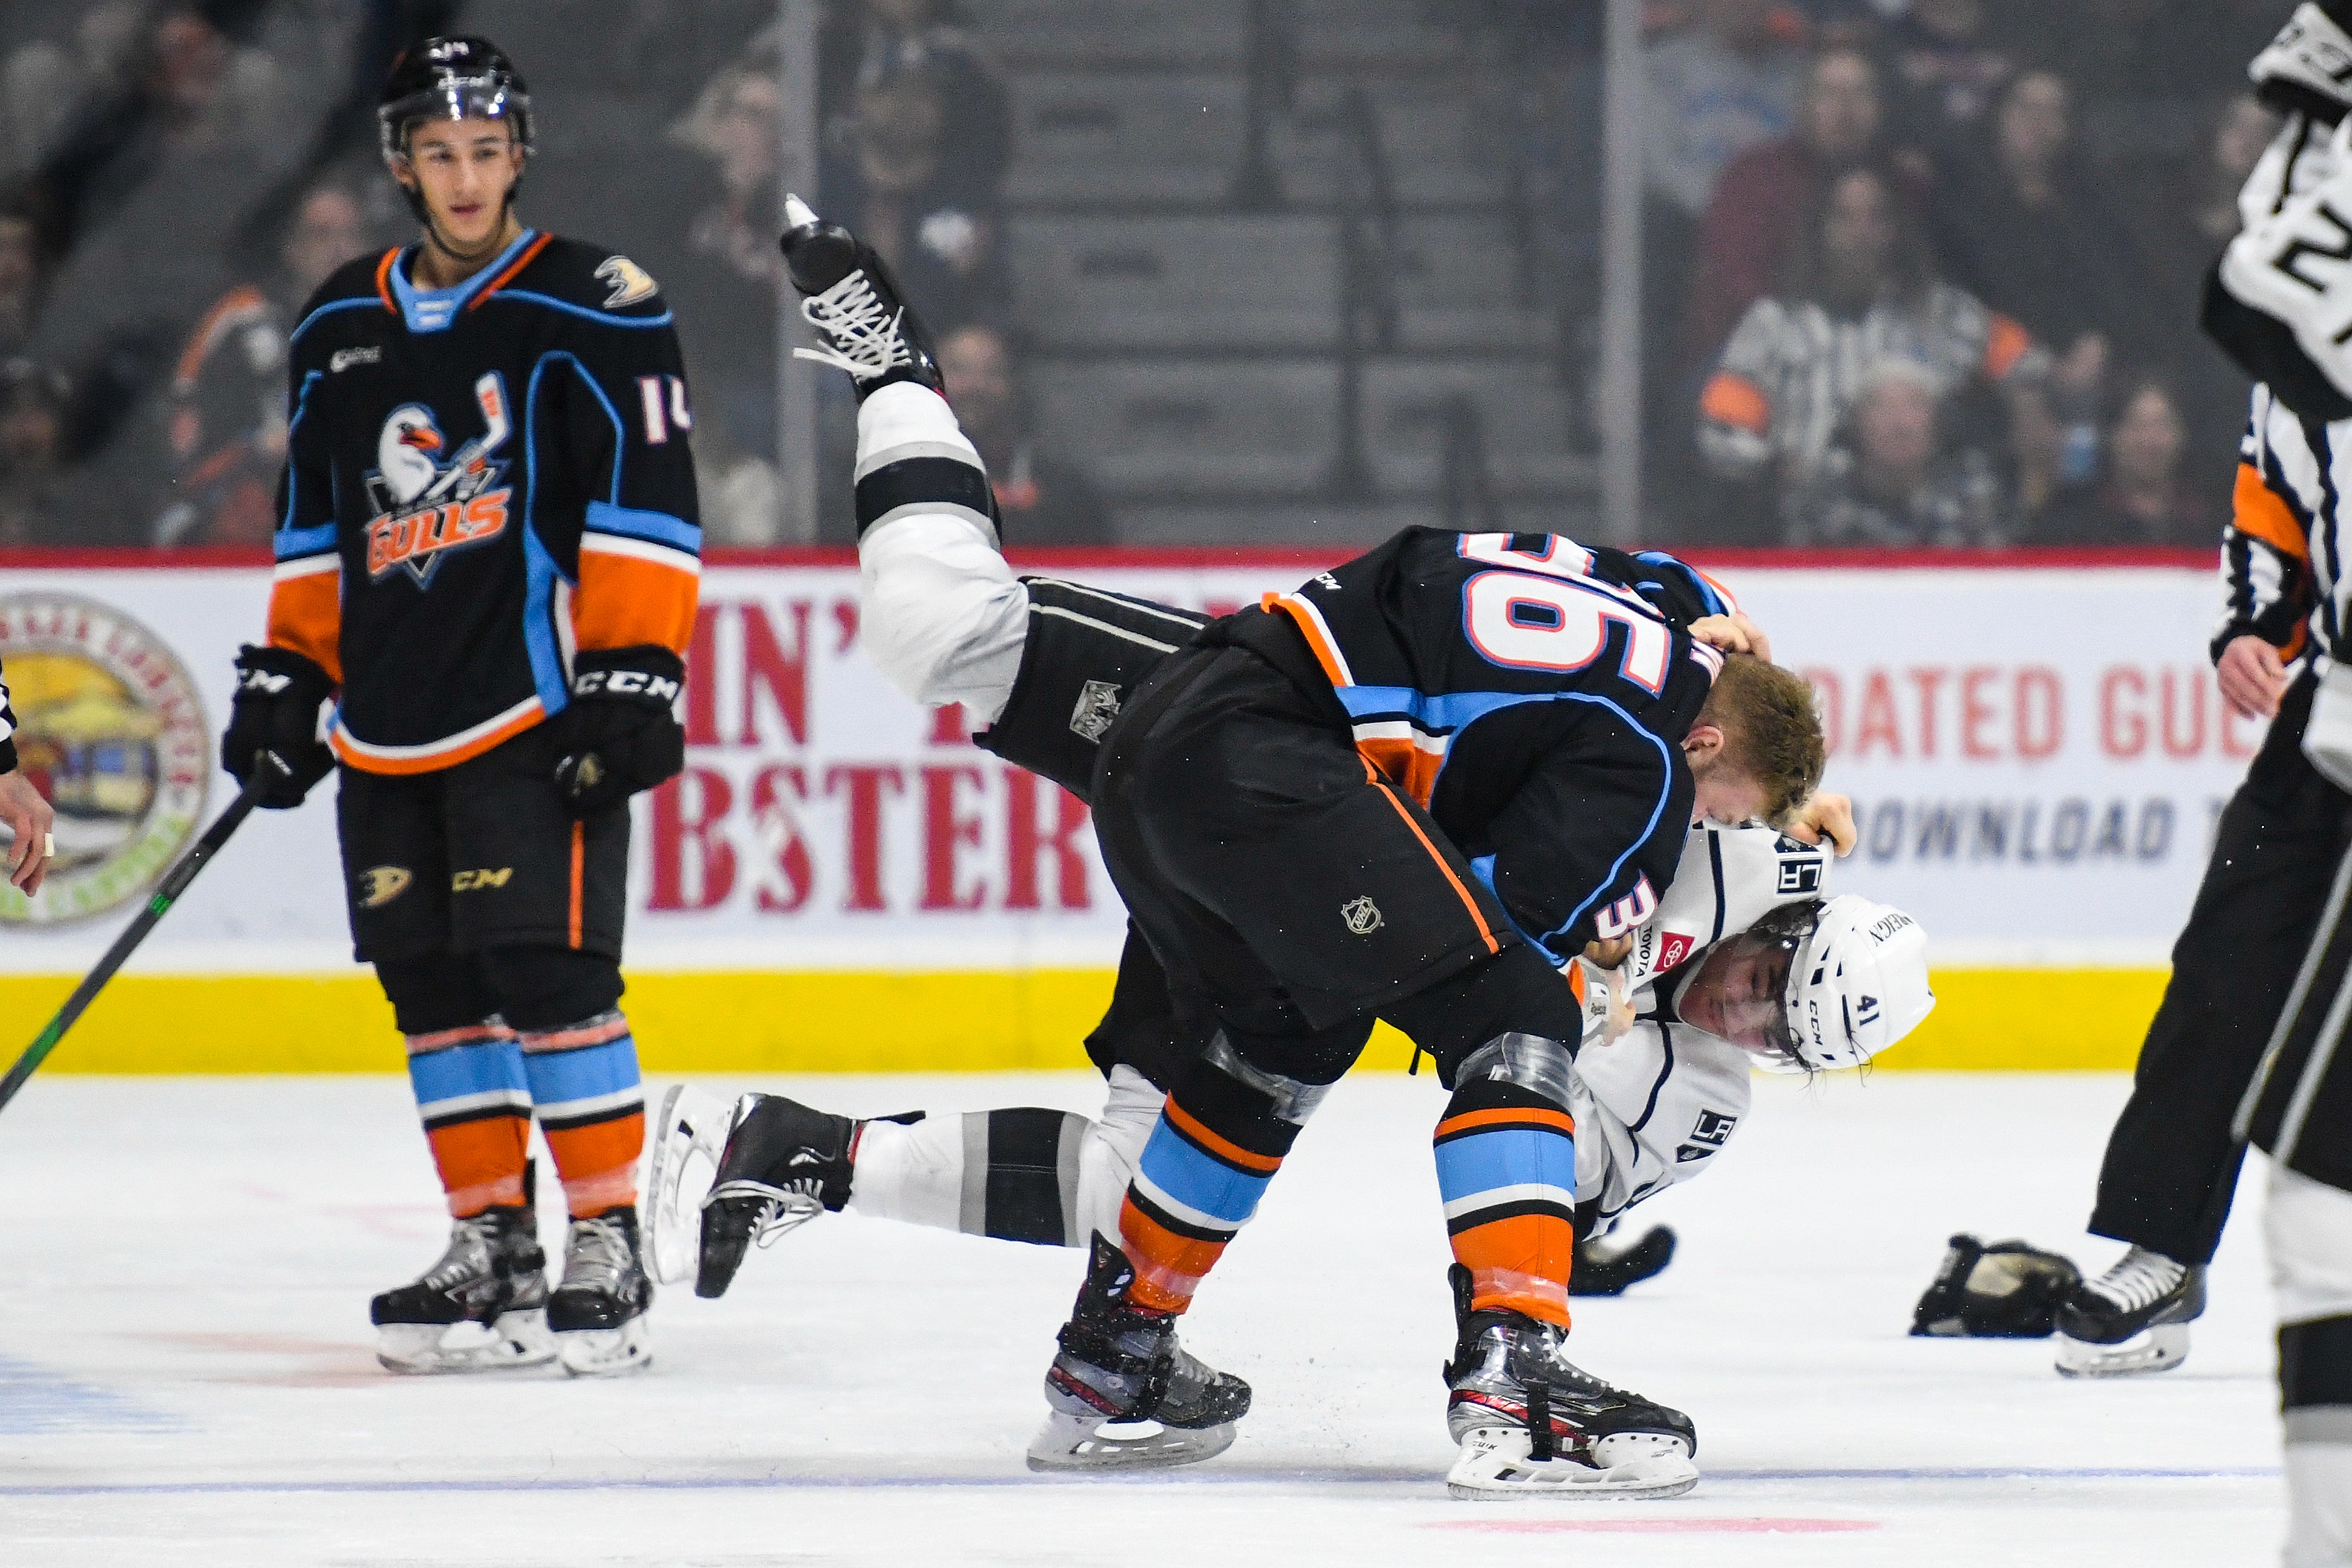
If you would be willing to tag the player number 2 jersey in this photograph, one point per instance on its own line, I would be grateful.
(480, 482)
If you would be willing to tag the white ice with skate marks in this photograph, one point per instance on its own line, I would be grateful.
(187, 1374)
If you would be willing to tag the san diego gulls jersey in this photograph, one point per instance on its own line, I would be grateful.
(480, 482)
(1655, 1106)
(1532, 693)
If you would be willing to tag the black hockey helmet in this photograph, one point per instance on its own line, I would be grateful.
(451, 78)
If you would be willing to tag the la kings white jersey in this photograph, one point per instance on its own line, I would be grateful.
(1654, 1108)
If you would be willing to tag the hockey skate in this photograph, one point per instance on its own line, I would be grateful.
(598, 1313)
(1533, 1424)
(689, 1139)
(855, 304)
(782, 1165)
(2133, 1318)
(482, 1307)
(1121, 1365)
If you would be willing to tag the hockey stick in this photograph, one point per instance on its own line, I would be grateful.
(167, 894)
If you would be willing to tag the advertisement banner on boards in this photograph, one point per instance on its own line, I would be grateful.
(2036, 755)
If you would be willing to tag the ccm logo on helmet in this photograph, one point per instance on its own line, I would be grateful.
(626, 683)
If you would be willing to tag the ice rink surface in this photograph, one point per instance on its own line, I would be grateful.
(186, 1378)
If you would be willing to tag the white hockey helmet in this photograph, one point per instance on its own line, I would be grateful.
(1857, 984)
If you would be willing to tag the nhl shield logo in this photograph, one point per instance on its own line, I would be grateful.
(1362, 915)
(1097, 706)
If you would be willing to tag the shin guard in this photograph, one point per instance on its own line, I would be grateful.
(1506, 1172)
(475, 1104)
(1219, 1140)
(583, 1081)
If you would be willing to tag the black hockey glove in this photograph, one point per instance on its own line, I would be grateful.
(277, 710)
(622, 736)
(2008, 1290)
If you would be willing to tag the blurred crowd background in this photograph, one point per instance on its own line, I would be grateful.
(1916, 272)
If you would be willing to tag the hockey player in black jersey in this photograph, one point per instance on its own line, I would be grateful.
(488, 556)
(1406, 790)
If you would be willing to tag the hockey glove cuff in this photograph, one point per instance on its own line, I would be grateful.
(2005, 1290)
(278, 693)
(622, 735)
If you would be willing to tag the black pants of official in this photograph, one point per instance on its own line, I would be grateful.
(2171, 1166)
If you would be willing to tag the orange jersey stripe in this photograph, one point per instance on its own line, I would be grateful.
(237, 301)
(579, 863)
(2260, 512)
(1468, 901)
(383, 280)
(1470, 1120)
(626, 601)
(306, 617)
(434, 762)
(1334, 669)
(531, 254)
(1223, 1148)
(1736, 401)
(1404, 764)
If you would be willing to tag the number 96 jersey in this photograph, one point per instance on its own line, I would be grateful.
(1532, 693)
(480, 482)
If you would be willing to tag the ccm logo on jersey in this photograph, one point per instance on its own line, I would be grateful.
(467, 881)
(625, 683)
(428, 505)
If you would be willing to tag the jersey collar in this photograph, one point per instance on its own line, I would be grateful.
(436, 309)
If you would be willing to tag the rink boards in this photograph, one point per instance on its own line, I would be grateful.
(2037, 753)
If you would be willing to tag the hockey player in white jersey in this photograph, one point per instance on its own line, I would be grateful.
(1745, 965)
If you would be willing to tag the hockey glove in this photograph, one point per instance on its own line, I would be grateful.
(277, 710)
(2302, 70)
(2008, 1290)
(622, 736)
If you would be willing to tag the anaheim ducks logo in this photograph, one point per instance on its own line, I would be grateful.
(110, 726)
(426, 505)
(379, 885)
(630, 282)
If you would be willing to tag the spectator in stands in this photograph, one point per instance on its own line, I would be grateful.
(864, 40)
(2021, 225)
(1752, 224)
(1889, 482)
(2141, 497)
(1045, 499)
(725, 285)
(33, 402)
(44, 81)
(896, 183)
(1859, 292)
(1716, 89)
(2183, 223)
(20, 280)
(1945, 61)
(224, 417)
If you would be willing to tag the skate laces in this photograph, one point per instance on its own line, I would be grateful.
(781, 1208)
(468, 1255)
(866, 339)
(598, 1255)
(2139, 1279)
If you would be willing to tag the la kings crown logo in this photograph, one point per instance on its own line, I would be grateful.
(426, 506)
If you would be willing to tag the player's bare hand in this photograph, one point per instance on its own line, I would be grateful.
(1609, 954)
(2253, 677)
(1824, 816)
(1734, 633)
(29, 818)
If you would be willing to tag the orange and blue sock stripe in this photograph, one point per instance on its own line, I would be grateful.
(1198, 1183)
(1507, 1173)
(474, 1101)
(591, 1105)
